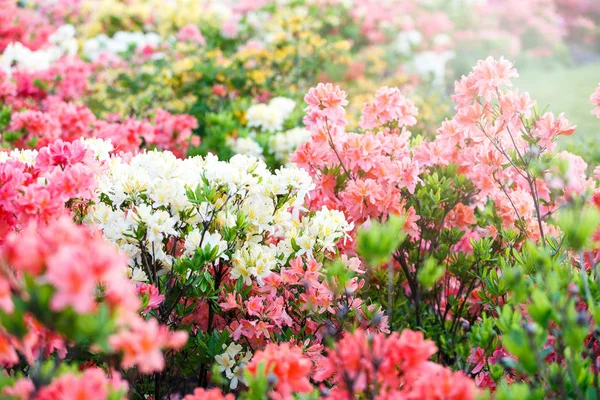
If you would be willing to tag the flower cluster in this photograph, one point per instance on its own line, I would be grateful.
(61, 43)
(36, 186)
(231, 363)
(282, 144)
(490, 177)
(396, 366)
(595, 100)
(373, 166)
(271, 116)
(121, 42)
(147, 207)
(53, 119)
(25, 26)
(290, 367)
(216, 226)
(91, 383)
(45, 287)
(246, 145)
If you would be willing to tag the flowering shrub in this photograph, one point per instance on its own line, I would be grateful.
(37, 185)
(23, 26)
(582, 19)
(59, 120)
(50, 305)
(175, 225)
(393, 367)
(226, 250)
(489, 180)
(238, 101)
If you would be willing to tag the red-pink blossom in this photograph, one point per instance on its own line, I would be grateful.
(143, 343)
(93, 384)
(595, 100)
(208, 394)
(288, 364)
(191, 33)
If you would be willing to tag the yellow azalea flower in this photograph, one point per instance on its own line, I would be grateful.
(177, 104)
(281, 54)
(280, 37)
(148, 69)
(258, 77)
(241, 116)
(343, 45)
(182, 65)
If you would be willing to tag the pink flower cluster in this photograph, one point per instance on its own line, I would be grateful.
(56, 119)
(82, 270)
(377, 172)
(173, 132)
(74, 261)
(296, 299)
(389, 105)
(595, 100)
(488, 127)
(190, 33)
(394, 367)
(22, 25)
(38, 341)
(377, 19)
(67, 78)
(44, 111)
(375, 164)
(57, 253)
(208, 394)
(143, 342)
(326, 104)
(38, 192)
(290, 367)
(365, 175)
(581, 17)
(531, 28)
(479, 363)
(91, 384)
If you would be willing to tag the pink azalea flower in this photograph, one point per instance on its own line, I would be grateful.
(288, 364)
(142, 344)
(477, 358)
(191, 33)
(595, 99)
(208, 394)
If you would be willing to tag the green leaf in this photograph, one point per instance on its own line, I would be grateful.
(377, 243)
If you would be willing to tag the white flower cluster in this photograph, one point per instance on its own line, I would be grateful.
(101, 148)
(406, 41)
(270, 117)
(220, 12)
(282, 144)
(283, 105)
(245, 145)
(121, 42)
(432, 65)
(64, 40)
(60, 43)
(231, 362)
(25, 156)
(145, 211)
